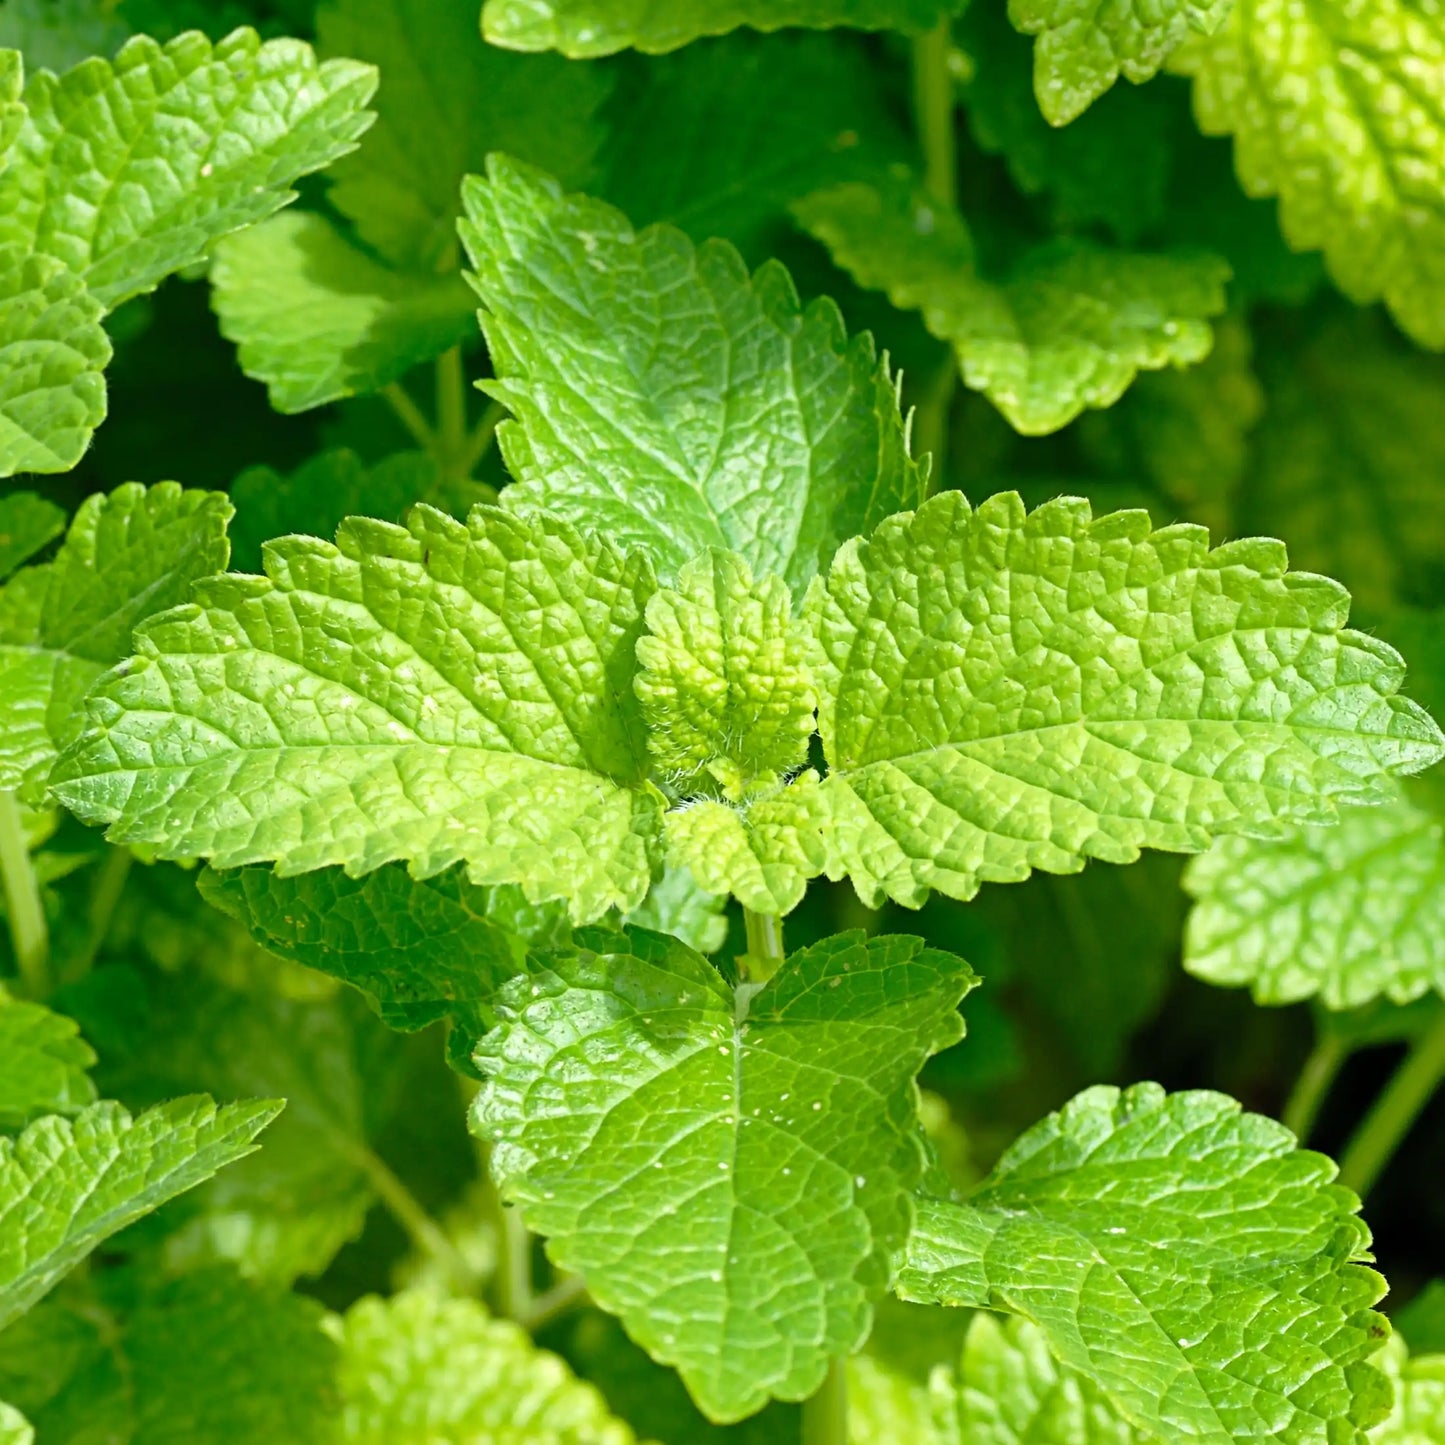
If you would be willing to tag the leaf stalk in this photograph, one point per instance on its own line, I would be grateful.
(29, 932)
(1320, 1071)
(825, 1413)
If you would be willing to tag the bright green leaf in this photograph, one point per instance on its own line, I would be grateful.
(43, 1063)
(885, 1407)
(1070, 327)
(28, 522)
(12, 108)
(1421, 1324)
(53, 351)
(668, 399)
(13, 1427)
(1082, 49)
(1335, 109)
(127, 557)
(437, 693)
(421, 1370)
(729, 1175)
(68, 1185)
(1182, 1255)
(448, 101)
(723, 679)
(1418, 1416)
(1010, 1390)
(129, 170)
(1001, 691)
(316, 319)
(676, 904)
(1350, 913)
(600, 27)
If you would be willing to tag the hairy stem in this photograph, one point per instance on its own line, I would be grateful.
(1314, 1082)
(765, 946)
(933, 106)
(410, 416)
(29, 932)
(825, 1414)
(421, 1228)
(1385, 1126)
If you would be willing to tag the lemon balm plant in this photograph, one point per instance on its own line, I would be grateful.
(476, 765)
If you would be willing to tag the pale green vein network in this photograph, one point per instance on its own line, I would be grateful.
(1183, 1255)
(67, 1185)
(729, 1176)
(438, 693)
(43, 1063)
(1002, 690)
(600, 27)
(1350, 913)
(664, 396)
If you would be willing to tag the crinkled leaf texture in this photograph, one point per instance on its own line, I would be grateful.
(128, 556)
(1418, 1416)
(1002, 690)
(600, 27)
(53, 354)
(1335, 108)
(1083, 48)
(127, 170)
(68, 1185)
(27, 522)
(1350, 913)
(730, 1175)
(1010, 1390)
(1184, 1256)
(665, 397)
(315, 318)
(1070, 326)
(12, 108)
(439, 693)
(421, 1370)
(43, 1063)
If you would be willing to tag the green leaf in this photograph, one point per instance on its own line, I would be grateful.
(1011, 1391)
(1348, 448)
(1070, 327)
(12, 108)
(316, 319)
(1183, 1256)
(13, 1427)
(68, 1185)
(129, 170)
(43, 1063)
(1418, 1416)
(1001, 691)
(448, 101)
(127, 557)
(319, 495)
(762, 850)
(600, 27)
(1333, 109)
(53, 351)
(656, 385)
(1082, 50)
(421, 1370)
(723, 679)
(676, 904)
(56, 34)
(437, 693)
(28, 522)
(1350, 913)
(1421, 1324)
(729, 1175)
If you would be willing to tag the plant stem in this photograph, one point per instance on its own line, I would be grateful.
(825, 1414)
(514, 1274)
(104, 899)
(765, 946)
(410, 416)
(556, 1302)
(1319, 1073)
(1385, 1126)
(451, 429)
(421, 1228)
(480, 441)
(933, 107)
(28, 930)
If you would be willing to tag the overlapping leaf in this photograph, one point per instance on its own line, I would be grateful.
(53, 351)
(421, 1370)
(99, 179)
(127, 557)
(1071, 325)
(1082, 50)
(599, 27)
(1183, 1256)
(27, 522)
(729, 1175)
(68, 1185)
(1335, 109)
(1001, 691)
(43, 1064)
(667, 398)
(12, 109)
(56, 34)
(437, 693)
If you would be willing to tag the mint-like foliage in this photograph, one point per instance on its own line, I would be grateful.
(1182, 1255)
(730, 1173)
(44, 1064)
(27, 522)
